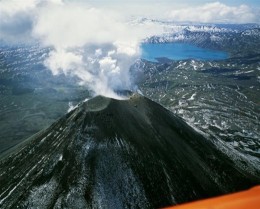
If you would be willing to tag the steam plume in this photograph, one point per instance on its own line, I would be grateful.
(97, 46)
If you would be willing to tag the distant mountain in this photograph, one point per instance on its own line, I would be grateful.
(108, 153)
(234, 38)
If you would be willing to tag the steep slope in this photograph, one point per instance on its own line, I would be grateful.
(117, 154)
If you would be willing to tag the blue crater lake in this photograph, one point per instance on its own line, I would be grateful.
(179, 51)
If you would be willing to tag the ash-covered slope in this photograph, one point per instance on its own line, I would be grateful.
(117, 154)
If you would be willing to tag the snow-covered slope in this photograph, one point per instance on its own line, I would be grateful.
(215, 36)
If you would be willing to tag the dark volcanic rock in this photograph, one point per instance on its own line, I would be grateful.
(117, 154)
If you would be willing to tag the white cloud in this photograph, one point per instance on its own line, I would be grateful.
(11, 7)
(74, 25)
(62, 61)
(84, 39)
(216, 13)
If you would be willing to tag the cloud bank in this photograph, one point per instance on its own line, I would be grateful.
(95, 45)
(216, 13)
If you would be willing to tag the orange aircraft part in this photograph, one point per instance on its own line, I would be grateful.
(249, 199)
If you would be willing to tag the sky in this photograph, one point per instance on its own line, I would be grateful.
(176, 2)
(229, 11)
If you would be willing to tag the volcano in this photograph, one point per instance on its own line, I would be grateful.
(111, 153)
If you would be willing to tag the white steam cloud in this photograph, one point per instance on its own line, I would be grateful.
(95, 45)
(216, 12)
